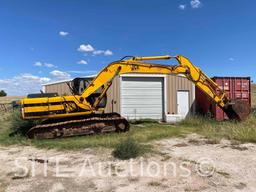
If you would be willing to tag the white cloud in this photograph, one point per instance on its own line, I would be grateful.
(195, 4)
(4, 81)
(82, 62)
(103, 52)
(182, 7)
(29, 77)
(98, 52)
(38, 64)
(41, 64)
(49, 65)
(231, 59)
(90, 49)
(108, 52)
(85, 48)
(60, 74)
(63, 33)
(23, 84)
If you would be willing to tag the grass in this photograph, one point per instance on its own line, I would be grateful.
(149, 132)
(19, 125)
(240, 131)
(129, 148)
(141, 132)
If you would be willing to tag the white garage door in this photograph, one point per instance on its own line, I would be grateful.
(142, 97)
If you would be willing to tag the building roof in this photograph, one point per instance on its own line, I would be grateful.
(66, 80)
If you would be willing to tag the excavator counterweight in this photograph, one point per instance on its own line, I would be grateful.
(83, 112)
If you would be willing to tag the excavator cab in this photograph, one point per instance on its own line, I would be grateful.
(78, 85)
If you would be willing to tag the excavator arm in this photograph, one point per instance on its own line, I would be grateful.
(75, 105)
(235, 109)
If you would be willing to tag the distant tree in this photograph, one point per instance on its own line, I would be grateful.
(3, 93)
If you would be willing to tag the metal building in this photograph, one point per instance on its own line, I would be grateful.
(142, 96)
(60, 87)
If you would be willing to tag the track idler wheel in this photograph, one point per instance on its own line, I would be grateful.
(238, 110)
(122, 126)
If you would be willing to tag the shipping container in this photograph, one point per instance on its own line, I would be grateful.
(235, 87)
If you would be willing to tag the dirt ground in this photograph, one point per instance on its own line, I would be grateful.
(179, 164)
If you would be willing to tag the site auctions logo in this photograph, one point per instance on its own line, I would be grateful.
(58, 167)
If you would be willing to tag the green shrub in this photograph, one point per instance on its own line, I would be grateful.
(18, 125)
(3, 93)
(128, 149)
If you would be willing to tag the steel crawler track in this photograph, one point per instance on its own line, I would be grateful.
(86, 126)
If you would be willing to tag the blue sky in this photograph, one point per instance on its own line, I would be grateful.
(49, 40)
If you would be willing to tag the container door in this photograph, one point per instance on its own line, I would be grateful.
(183, 102)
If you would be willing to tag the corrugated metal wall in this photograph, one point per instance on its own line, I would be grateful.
(113, 97)
(174, 84)
(60, 88)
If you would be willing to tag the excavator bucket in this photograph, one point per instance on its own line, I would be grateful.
(238, 110)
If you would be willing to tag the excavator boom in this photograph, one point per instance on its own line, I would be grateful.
(237, 110)
(85, 105)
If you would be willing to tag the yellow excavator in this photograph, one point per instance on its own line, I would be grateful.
(83, 112)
